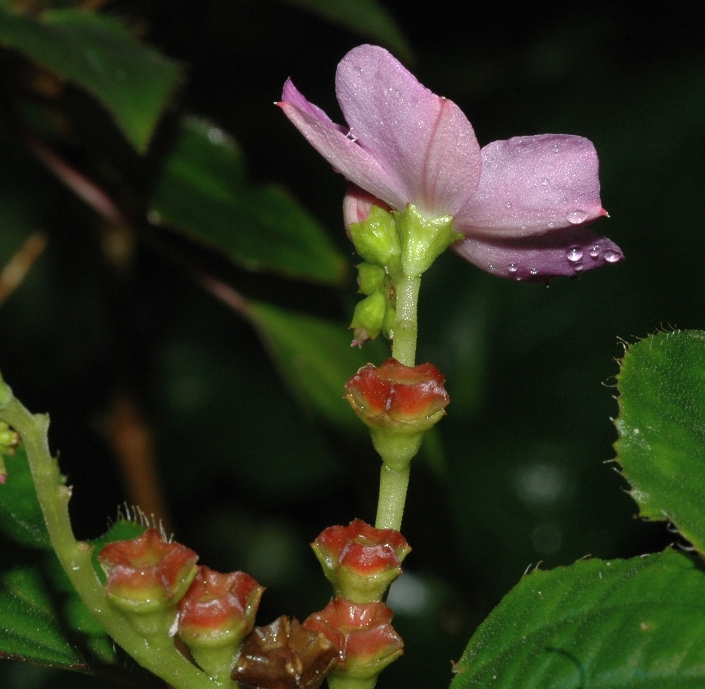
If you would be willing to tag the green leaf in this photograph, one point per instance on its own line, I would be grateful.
(20, 514)
(30, 629)
(315, 358)
(134, 82)
(661, 425)
(633, 624)
(203, 194)
(366, 17)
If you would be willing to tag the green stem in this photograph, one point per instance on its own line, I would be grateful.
(405, 327)
(159, 656)
(392, 497)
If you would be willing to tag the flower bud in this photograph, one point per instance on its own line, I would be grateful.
(370, 277)
(216, 614)
(359, 560)
(9, 440)
(368, 319)
(363, 634)
(284, 655)
(146, 578)
(376, 239)
(398, 403)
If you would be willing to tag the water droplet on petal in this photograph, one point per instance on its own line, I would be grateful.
(577, 216)
(534, 271)
(611, 256)
(523, 227)
(544, 182)
(577, 267)
(574, 254)
(512, 268)
(508, 204)
(551, 224)
(594, 252)
(490, 267)
(556, 148)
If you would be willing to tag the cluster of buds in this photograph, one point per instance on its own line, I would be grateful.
(399, 404)
(163, 592)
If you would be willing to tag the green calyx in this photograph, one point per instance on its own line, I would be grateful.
(423, 239)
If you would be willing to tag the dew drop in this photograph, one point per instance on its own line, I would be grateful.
(490, 266)
(512, 268)
(594, 252)
(551, 224)
(577, 216)
(556, 148)
(575, 253)
(577, 267)
(508, 204)
(534, 271)
(611, 256)
(523, 227)
(544, 182)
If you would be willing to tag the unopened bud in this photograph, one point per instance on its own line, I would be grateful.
(359, 560)
(376, 239)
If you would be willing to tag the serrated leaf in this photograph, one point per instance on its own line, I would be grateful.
(315, 358)
(30, 629)
(203, 194)
(133, 81)
(633, 624)
(20, 514)
(366, 17)
(661, 426)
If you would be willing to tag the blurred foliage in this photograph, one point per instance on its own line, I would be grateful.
(115, 305)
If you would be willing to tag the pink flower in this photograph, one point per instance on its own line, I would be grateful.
(524, 205)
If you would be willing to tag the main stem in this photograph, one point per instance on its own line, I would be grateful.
(393, 482)
(160, 656)
(406, 326)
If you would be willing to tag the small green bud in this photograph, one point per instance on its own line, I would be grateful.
(423, 239)
(376, 239)
(370, 277)
(368, 318)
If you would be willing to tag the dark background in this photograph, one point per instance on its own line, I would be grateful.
(517, 473)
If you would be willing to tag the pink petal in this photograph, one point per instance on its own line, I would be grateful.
(533, 184)
(346, 156)
(423, 141)
(292, 95)
(357, 204)
(570, 251)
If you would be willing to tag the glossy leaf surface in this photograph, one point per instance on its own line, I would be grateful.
(662, 429)
(203, 194)
(315, 358)
(634, 624)
(134, 82)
